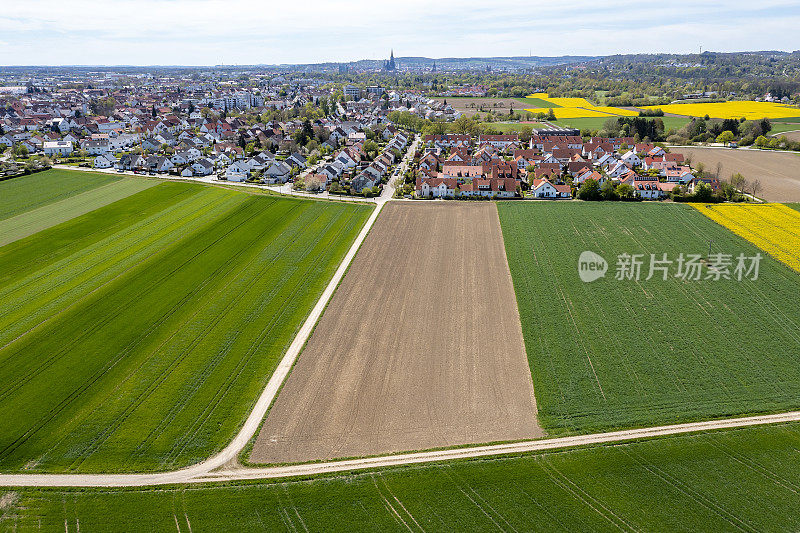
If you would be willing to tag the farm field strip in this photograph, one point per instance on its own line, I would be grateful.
(774, 228)
(778, 172)
(24, 193)
(734, 109)
(45, 292)
(612, 354)
(173, 322)
(367, 388)
(52, 214)
(595, 488)
(571, 108)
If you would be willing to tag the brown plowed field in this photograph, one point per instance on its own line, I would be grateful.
(420, 347)
(791, 135)
(779, 172)
(470, 106)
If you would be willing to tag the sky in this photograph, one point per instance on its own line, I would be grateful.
(212, 32)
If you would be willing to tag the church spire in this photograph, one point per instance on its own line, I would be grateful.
(390, 65)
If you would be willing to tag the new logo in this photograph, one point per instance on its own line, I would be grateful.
(591, 266)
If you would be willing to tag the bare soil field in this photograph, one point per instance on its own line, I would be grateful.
(791, 135)
(421, 346)
(470, 106)
(779, 172)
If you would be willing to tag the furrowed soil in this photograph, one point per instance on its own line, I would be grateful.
(779, 172)
(470, 106)
(421, 346)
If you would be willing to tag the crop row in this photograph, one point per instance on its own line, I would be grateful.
(620, 353)
(25, 193)
(162, 332)
(774, 228)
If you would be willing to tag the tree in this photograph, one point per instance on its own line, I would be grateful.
(755, 187)
(20, 150)
(702, 193)
(463, 125)
(625, 192)
(551, 115)
(761, 141)
(725, 137)
(738, 181)
(103, 106)
(589, 190)
(700, 168)
(608, 192)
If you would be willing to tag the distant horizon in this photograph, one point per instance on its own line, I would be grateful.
(141, 33)
(378, 59)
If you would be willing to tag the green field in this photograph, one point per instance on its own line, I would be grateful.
(510, 127)
(596, 123)
(18, 195)
(53, 213)
(783, 127)
(592, 123)
(137, 336)
(536, 102)
(624, 353)
(780, 120)
(739, 480)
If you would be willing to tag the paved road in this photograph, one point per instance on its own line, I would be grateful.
(224, 467)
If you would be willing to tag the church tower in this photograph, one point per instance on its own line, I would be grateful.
(390, 66)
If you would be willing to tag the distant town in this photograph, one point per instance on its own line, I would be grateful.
(346, 133)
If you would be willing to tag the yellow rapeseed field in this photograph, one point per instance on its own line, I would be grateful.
(616, 111)
(774, 228)
(570, 112)
(578, 108)
(747, 109)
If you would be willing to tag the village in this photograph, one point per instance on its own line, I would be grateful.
(554, 164)
(314, 136)
(338, 138)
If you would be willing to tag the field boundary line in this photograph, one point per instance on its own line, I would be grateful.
(253, 422)
(202, 472)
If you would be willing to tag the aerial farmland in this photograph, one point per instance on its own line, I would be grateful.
(406, 361)
(506, 293)
(125, 305)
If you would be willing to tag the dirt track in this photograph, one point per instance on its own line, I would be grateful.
(420, 347)
(779, 172)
